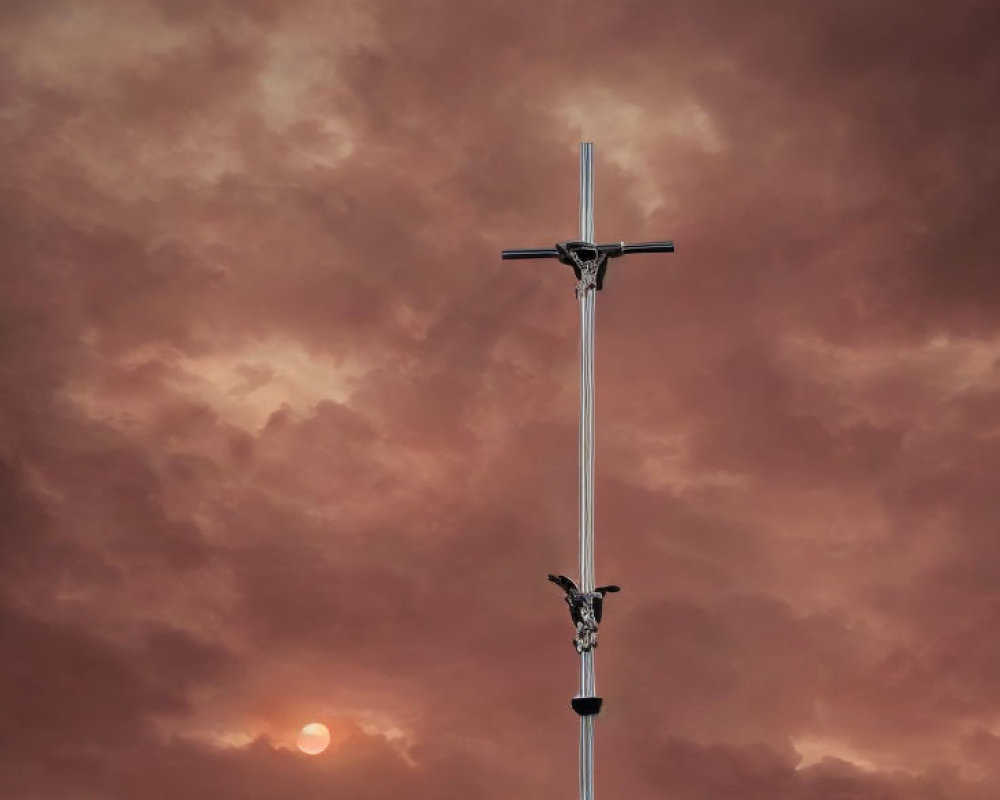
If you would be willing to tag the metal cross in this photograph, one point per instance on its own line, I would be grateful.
(589, 262)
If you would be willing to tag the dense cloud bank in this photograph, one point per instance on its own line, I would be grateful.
(281, 440)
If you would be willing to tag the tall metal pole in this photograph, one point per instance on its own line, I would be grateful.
(589, 262)
(586, 297)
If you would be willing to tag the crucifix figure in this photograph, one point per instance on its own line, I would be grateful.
(589, 262)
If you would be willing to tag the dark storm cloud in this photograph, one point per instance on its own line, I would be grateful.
(281, 439)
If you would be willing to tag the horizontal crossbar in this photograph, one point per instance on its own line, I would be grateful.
(610, 250)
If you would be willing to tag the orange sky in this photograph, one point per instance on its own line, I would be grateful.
(283, 440)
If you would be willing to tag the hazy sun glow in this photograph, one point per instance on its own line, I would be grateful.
(314, 738)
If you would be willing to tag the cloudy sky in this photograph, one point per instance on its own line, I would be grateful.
(282, 440)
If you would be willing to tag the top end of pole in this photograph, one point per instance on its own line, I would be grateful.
(587, 192)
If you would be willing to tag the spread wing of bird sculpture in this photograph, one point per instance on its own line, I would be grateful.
(574, 598)
(600, 591)
(564, 583)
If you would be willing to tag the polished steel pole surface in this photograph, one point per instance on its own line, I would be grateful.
(586, 297)
(589, 261)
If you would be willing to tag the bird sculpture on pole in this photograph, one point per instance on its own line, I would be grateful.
(585, 609)
(589, 262)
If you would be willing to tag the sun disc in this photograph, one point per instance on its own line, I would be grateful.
(314, 738)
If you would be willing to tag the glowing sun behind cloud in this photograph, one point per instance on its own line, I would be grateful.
(314, 738)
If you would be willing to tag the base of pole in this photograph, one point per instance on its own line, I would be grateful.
(587, 706)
